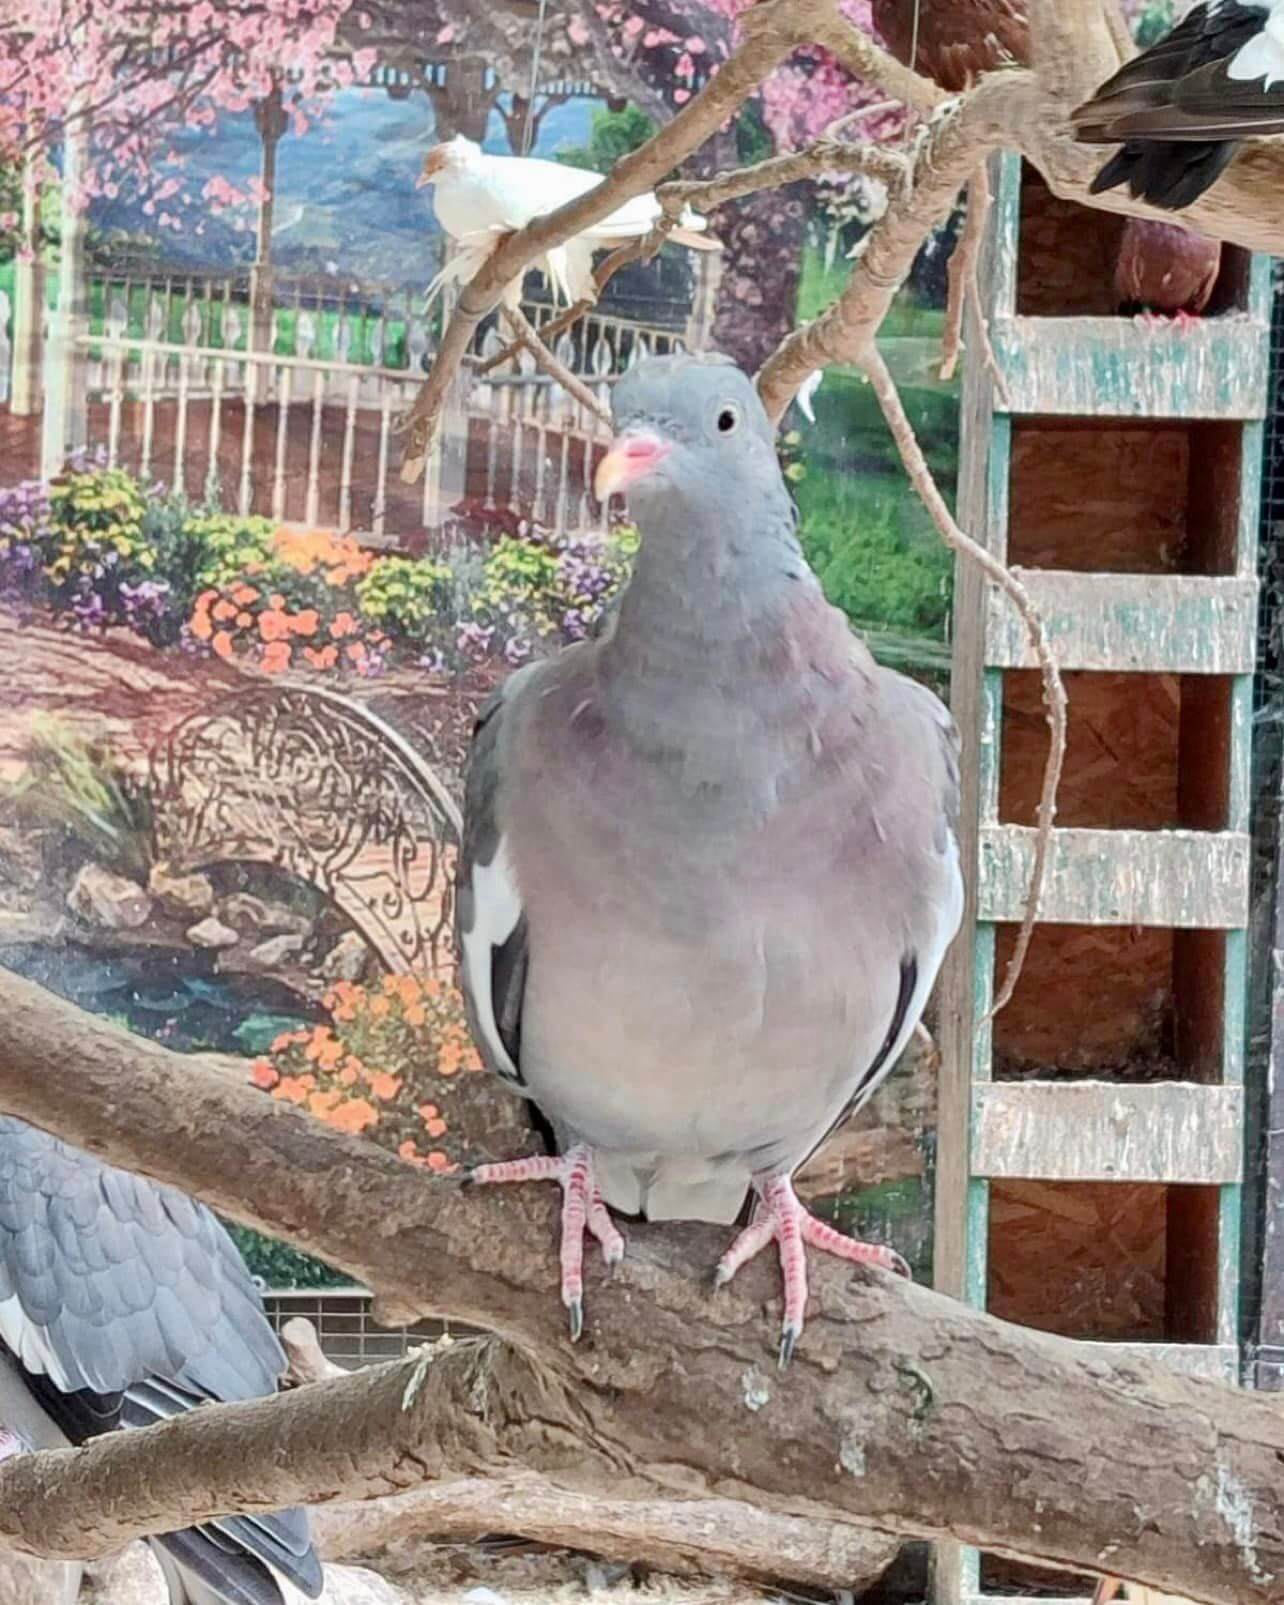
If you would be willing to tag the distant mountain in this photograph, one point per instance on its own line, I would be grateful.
(346, 202)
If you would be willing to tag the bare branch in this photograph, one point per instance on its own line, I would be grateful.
(826, 156)
(1054, 696)
(723, 1537)
(529, 340)
(902, 1409)
(873, 65)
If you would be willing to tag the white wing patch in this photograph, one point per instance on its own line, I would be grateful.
(1263, 55)
(30, 1343)
(497, 908)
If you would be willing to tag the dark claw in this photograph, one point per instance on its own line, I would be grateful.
(788, 1343)
(575, 1314)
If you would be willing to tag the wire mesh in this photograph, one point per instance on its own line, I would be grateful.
(345, 1327)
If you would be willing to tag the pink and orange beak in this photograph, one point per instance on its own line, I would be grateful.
(632, 456)
(434, 162)
(1108, 1588)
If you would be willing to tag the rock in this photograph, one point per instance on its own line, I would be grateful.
(133, 1577)
(347, 959)
(26, 1581)
(275, 952)
(189, 897)
(100, 897)
(250, 913)
(212, 933)
(355, 1585)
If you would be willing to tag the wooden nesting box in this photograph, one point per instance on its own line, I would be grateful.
(1090, 1141)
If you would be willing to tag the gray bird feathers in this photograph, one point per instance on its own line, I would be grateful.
(123, 1303)
(1180, 107)
(709, 869)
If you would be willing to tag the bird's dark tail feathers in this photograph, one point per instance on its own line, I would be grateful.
(1169, 174)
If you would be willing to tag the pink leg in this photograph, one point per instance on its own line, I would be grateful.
(778, 1215)
(582, 1211)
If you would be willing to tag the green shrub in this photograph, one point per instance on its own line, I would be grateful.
(223, 546)
(409, 597)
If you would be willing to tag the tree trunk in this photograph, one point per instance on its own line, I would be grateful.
(762, 238)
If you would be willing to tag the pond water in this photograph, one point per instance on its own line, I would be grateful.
(177, 997)
(172, 996)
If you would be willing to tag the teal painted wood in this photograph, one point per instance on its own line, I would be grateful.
(1141, 623)
(1183, 879)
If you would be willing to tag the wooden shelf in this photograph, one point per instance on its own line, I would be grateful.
(1121, 368)
(1185, 879)
(1166, 1131)
(1144, 623)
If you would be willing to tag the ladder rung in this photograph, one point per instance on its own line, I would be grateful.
(1120, 368)
(1145, 623)
(1188, 879)
(1158, 1131)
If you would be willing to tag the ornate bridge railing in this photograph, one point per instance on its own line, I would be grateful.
(317, 786)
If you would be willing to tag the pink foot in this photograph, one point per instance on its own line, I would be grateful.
(778, 1215)
(582, 1211)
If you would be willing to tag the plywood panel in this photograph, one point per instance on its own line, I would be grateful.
(1103, 1131)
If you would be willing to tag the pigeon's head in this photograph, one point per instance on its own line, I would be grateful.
(450, 156)
(690, 432)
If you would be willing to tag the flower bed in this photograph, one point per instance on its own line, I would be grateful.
(98, 549)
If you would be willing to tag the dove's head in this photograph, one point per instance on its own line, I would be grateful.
(691, 436)
(450, 156)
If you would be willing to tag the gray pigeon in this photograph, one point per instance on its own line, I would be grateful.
(709, 868)
(123, 1303)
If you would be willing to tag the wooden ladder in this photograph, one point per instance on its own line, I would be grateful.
(1185, 1135)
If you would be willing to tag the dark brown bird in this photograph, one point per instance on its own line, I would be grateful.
(954, 41)
(1165, 269)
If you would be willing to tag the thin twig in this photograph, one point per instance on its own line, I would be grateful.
(965, 288)
(825, 156)
(526, 334)
(873, 65)
(1054, 696)
(639, 250)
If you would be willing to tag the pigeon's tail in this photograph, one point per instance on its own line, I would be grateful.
(1169, 174)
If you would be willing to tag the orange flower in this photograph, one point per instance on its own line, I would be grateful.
(243, 595)
(356, 650)
(416, 1014)
(343, 624)
(323, 1103)
(450, 1059)
(354, 1116)
(384, 1086)
(407, 1150)
(435, 1127)
(326, 658)
(273, 625)
(305, 622)
(204, 599)
(390, 983)
(347, 1076)
(200, 625)
(428, 1111)
(276, 657)
(309, 1081)
(244, 620)
(291, 1088)
(222, 644)
(224, 610)
(378, 1008)
(440, 1162)
(276, 601)
(263, 1075)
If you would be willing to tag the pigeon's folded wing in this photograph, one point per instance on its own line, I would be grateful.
(490, 920)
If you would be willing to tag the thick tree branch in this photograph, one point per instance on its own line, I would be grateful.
(772, 30)
(825, 156)
(902, 1409)
(724, 1537)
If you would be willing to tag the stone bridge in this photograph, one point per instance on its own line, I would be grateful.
(310, 783)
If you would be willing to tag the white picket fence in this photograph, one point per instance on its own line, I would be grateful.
(309, 434)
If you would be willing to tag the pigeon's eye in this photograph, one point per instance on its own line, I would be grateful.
(728, 420)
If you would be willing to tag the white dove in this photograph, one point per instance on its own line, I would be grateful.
(479, 198)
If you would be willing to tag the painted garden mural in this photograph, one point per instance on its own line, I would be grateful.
(241, 658)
